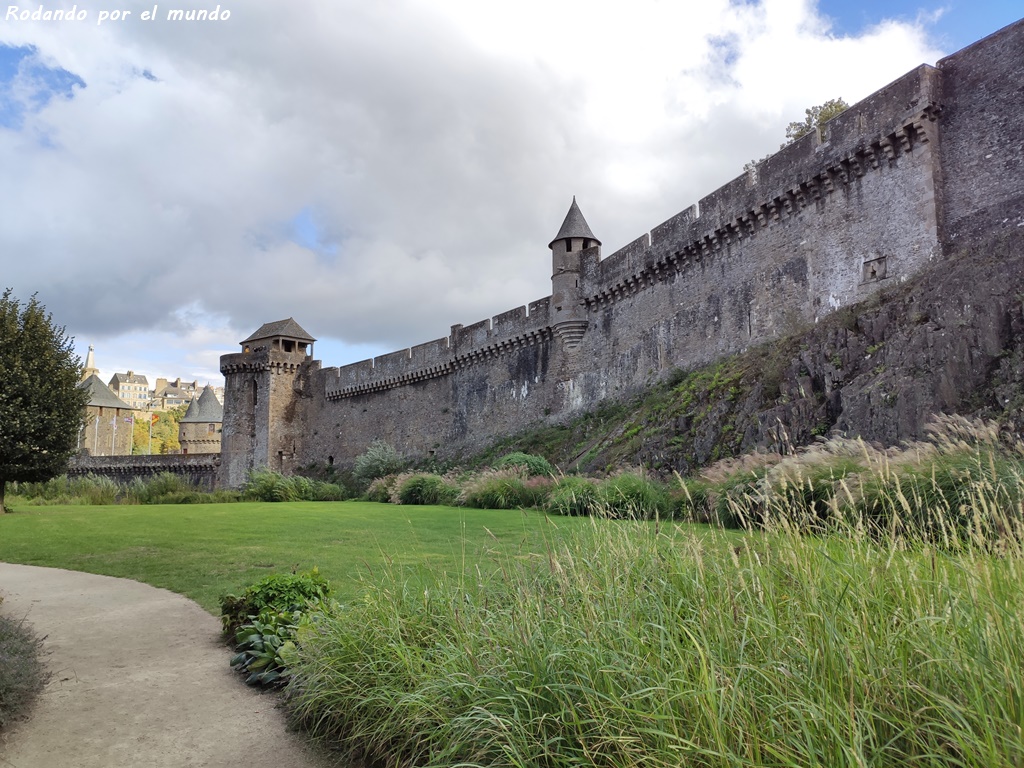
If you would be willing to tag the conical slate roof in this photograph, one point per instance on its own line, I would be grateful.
(287, 328)
(574, 226)
(100, 395)
(205, 409)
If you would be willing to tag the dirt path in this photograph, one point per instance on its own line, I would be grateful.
(139, 679)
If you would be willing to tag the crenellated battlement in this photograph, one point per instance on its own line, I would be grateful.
(466, 346)
(887, 190)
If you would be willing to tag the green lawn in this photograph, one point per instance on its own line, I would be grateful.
(206, 550)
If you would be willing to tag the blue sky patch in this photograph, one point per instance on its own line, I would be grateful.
(27, 85)
(306, 232)
(958, 24)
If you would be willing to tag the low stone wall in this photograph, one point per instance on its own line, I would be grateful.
(200, 471)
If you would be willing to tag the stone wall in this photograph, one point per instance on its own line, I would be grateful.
(883, 192)
(200, 471)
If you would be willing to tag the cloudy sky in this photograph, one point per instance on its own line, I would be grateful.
(382, 170)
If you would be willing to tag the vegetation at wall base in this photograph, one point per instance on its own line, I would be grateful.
(163, 488)
(267, 485)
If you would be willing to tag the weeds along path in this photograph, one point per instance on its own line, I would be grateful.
(139, 677)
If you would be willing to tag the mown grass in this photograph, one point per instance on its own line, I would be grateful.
(206, 550)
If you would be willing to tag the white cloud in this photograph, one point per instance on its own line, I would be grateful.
(437, 146)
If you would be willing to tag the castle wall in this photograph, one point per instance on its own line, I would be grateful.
(879, 194)
(199, 471)
(982, 143)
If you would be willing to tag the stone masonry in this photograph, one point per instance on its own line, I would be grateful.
(893, 187)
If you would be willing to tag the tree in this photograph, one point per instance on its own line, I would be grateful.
(814, 117)
(42, 408)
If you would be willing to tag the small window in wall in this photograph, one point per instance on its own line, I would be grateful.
(289, 346)
(212, 429)
(568, 245)
(874, 270)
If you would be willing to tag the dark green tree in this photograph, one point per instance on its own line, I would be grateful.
(41, 406)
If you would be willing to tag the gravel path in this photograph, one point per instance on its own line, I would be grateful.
(139, 678)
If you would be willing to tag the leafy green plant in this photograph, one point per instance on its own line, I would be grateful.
(265, 645)
(280, 592)
(267, 485)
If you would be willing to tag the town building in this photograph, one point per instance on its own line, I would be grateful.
(109, 422)
(132, 388)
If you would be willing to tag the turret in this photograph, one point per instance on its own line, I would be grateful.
(568, 313)
(199, 430)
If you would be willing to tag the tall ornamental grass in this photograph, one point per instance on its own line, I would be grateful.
(641, 644)
(965, 481)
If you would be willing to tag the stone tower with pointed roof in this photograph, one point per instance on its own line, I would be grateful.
(199, 430)
(262, 422)
(567, 254)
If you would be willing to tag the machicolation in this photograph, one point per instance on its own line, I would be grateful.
(927, 166)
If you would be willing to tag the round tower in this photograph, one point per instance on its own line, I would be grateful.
(200, 428)
(568, 313)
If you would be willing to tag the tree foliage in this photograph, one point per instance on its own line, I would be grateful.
(813, 118)
(41, 406)
(165, 431)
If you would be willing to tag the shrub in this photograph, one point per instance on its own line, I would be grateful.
(22, 674)
(379, 459)
(266, 485)
(690, 501)
(534, 465)
(380, 490)
(277, 592)
(631, 495)
(426, 489)
(574, 495)
(499, 489)
(329, 492)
